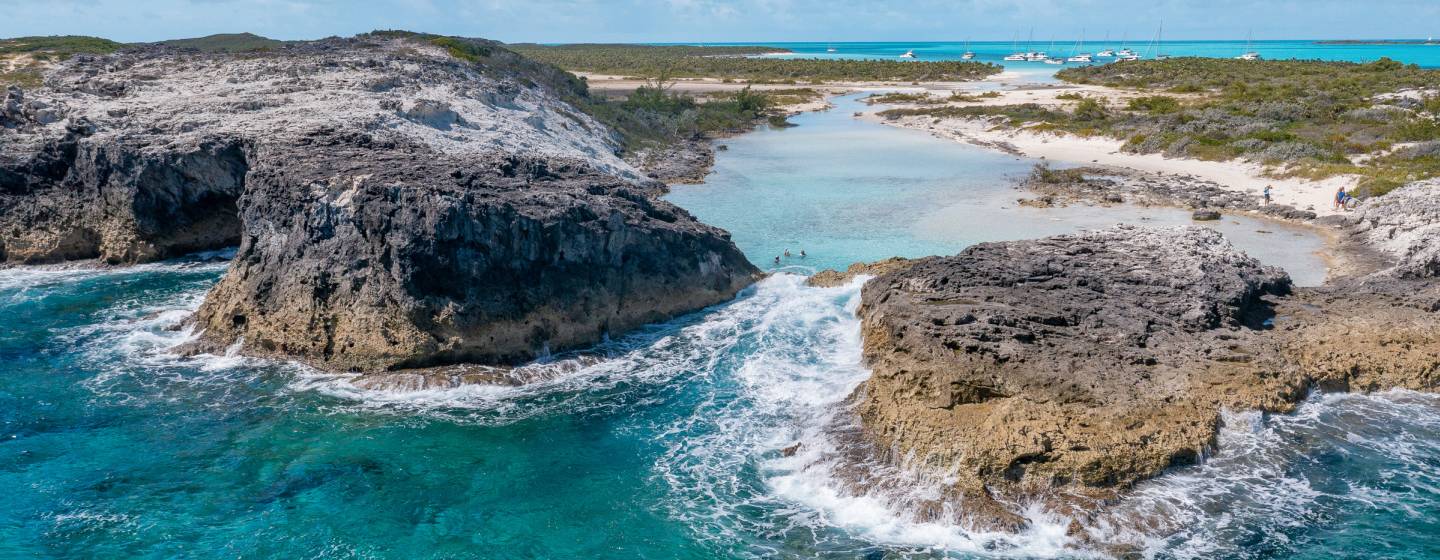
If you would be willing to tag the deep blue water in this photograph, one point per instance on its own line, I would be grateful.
(669, 447)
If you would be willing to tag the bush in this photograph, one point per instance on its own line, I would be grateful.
(1089, 110)
(1156, 104)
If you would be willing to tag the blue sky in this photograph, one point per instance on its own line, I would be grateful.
(725, 20)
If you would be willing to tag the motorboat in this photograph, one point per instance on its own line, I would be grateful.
(1054, 61)
(909, 54)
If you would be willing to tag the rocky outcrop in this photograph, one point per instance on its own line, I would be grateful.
(1405, 226)
(398, 202)
(1103, 185)
(830, 278)
(1066, 369)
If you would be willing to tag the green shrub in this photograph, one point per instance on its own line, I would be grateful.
(1157, 104)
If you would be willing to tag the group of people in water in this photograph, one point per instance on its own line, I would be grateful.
(788, 255)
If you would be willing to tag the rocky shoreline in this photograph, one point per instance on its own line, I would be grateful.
(1065, 370)
(397, 202)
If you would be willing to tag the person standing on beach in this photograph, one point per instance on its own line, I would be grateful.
(1267, 195)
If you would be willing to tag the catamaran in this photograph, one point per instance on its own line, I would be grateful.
(1108, 52)
(1056, 60)
(1015, 54)
(1125, 53)
(1076, 55)
(1249, 53)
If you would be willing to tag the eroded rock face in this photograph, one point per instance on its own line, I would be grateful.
(1064, 370)
(1405, 224)
(398, 261)
(394, 206)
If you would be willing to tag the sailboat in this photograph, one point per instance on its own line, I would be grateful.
(1053, 60)
(1108, 52)
(830, 47)
(1076, 55)
(1124, 53)
(1015, 54)
(1159, 54)
(1250, 54)
(969, 55)
(1034, 56)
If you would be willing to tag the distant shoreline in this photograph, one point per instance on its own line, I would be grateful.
(1378, 42)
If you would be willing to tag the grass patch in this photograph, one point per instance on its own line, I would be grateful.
(227, 42)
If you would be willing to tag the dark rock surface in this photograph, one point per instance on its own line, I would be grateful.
(394, 206)
(1103, 185)
(1063, 370)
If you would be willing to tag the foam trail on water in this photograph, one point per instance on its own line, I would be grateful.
(1278, 483)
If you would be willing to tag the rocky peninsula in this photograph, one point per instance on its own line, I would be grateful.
(1064, 370)
(399, 200)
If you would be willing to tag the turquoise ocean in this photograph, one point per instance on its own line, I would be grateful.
(668, 446)
(1425, 55)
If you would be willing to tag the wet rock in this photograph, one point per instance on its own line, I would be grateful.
(1063, 370)
(829, 278)
(1205, 215)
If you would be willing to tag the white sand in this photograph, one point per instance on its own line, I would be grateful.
(1234, 175)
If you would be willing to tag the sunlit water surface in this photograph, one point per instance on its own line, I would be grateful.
(112, 447)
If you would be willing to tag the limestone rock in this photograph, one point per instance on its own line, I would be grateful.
(830, 278)
(394, 206)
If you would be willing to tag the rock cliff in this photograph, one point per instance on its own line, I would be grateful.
(398, 200)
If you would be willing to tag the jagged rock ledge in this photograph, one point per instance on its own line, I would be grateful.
(398, 202)
(1064, 370)
(1106, 185)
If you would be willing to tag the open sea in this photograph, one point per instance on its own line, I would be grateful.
(113, 447)
(1427, 56)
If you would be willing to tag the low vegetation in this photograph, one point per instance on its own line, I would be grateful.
(227, 42)
(742, 63)
(1379, 120)
(22, 59)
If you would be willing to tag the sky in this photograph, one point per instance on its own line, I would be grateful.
(556, 21)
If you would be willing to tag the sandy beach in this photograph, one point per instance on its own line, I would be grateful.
(1237, 175)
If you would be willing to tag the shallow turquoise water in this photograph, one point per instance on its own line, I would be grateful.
(845, 189)
(111, 447)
